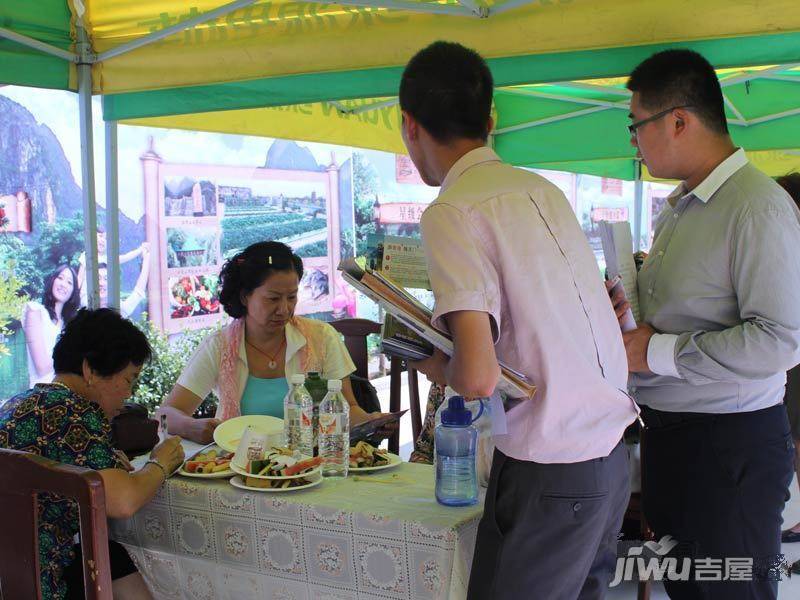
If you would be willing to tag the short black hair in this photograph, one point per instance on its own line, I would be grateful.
(108, 342)
(249, 269)
(681, 77)
(448, 89)
(791, 183)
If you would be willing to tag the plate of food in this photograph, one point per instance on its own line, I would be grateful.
(259, 484)
(365, 457)
(279, 464)
(211, 462)
(229, 433)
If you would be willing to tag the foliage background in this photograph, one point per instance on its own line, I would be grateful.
(161, 373)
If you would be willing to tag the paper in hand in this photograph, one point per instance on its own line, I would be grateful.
(627, 322)
(618, 251)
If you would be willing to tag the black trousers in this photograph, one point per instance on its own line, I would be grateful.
(121, 565)
(549, 531)
(718, 484)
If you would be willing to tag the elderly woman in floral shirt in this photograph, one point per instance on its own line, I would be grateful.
(96, 362)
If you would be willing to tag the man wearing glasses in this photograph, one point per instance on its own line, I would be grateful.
(720, 300)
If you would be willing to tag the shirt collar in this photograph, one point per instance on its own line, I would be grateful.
(709, 186)
(469, 160)
(294, 342)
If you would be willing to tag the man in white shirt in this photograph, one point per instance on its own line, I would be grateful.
(514, 279)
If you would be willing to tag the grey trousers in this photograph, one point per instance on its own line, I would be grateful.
(549, 531)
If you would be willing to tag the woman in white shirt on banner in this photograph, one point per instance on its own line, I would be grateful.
(43, 321)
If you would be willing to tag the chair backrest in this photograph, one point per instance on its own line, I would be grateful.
(22, 476)
(355, 332)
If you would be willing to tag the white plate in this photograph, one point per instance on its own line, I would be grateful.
(218, 475)
(394, 460)
(228, 433)
(241, 471)
(238, 482)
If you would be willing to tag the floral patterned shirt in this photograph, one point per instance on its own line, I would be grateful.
(52, 421)
(423, 445)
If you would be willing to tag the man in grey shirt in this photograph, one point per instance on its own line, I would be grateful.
(720, 301)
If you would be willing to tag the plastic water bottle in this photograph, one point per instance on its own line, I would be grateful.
(334, 431)
(455, 442)
(292, 412)
(307, 437)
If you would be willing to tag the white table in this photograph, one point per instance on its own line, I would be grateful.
(203, 539)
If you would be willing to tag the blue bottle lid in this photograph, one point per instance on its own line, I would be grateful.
(456, 414)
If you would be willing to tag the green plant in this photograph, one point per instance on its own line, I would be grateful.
(12, 301)
(13, 249)
(236, 236)
(365, 189)
(159, 376)
(59, 243)
(319, 248)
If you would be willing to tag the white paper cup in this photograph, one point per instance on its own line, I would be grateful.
(254, 445)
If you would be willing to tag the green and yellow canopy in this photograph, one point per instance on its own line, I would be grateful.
(329, 72)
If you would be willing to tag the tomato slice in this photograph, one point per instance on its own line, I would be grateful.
(298, 467)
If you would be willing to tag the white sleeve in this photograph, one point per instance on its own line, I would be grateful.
(338, 363)
(127, 306)
(30, 307)
(200, 374)
(661, 354)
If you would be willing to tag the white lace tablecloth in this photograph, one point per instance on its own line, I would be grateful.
(203, 539)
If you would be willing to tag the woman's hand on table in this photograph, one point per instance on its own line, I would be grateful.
(201, 430)
(169, 454)
(187, 427)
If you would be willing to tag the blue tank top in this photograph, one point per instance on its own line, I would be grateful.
(264, 396)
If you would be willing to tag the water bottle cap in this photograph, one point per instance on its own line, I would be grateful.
(456, 414)
(298, 379)
(334, 385)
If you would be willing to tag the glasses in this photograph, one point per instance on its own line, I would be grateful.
(634, 126)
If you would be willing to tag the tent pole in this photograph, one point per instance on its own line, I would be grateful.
(87, 169)
(638, 188)
(37, 45)
(112, 214)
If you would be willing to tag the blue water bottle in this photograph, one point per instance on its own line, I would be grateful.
(455, 441)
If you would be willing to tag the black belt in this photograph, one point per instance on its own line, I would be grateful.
(656, 419)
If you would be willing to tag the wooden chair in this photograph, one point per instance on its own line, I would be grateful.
(355, 332)
(22, 477)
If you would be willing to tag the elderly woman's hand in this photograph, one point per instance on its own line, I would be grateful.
(169, 454)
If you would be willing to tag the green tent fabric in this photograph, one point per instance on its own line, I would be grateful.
(372, 83)
(581, 126)
(314, 53)
(47, 21)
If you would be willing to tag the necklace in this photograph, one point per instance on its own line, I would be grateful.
(271, 364)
